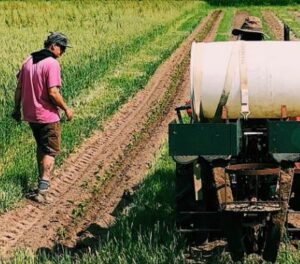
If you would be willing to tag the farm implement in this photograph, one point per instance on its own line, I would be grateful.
(237, 155)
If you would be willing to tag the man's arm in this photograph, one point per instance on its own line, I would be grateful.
(58, 100)
(16, 114)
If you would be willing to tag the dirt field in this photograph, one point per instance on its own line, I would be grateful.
(122, 154)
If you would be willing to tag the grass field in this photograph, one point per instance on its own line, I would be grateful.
(117, 46)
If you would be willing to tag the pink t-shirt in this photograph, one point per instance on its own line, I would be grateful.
(36, 79)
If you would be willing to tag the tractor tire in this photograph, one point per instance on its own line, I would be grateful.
(233, 229)
(186, 202)
(295, 201)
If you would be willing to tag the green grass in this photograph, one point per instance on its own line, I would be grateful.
(239, 3)
(97, 82)
(224, 30)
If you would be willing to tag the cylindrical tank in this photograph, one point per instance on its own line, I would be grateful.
(265, 75)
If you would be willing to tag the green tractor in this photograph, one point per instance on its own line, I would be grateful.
(237, 153)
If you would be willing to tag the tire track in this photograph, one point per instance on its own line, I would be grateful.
(34, 225)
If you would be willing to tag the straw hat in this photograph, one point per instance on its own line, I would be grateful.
(251, 25)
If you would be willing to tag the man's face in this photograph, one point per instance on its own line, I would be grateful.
(57, 50)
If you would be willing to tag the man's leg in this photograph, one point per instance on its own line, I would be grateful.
(48, 137)
(45, 164)
(48, 148)
(39, 161)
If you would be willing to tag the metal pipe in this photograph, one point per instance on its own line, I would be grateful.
(286, 31)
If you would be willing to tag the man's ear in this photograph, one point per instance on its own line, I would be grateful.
(52, 47)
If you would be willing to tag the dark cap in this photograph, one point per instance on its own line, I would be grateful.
(251, 25)
(57, 38)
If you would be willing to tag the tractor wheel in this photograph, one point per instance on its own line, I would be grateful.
(273, 237)
(186, 202)
(233, 229)
(274, 231)
(295, 201)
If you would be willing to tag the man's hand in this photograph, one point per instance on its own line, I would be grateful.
(69, 114)
(16, 114)
(58, 100)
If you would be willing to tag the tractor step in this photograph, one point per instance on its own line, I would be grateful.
(293, 212)
(292, 229)
(199, 230)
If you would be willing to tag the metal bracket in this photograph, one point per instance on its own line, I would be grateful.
(286, 32)
(179, 109)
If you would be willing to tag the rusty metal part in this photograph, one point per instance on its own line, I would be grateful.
(224, 115)
(284, 192)
(223, 189)
(257, 207)
(286, 180)
(284, 114)
(253, 169)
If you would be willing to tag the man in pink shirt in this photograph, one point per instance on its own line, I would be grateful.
(38, 92)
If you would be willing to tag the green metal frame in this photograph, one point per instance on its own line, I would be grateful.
(204, 139)
(284, 136)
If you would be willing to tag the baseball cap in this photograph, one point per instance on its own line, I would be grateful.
(57, 38)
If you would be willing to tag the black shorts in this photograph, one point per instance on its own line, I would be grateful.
(47, 137)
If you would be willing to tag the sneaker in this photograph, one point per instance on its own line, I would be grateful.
(41, 197)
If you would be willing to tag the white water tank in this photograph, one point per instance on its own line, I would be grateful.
(262, 76)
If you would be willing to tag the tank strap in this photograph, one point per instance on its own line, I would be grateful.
(231, 71)
(245, 111)
(196, 77)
